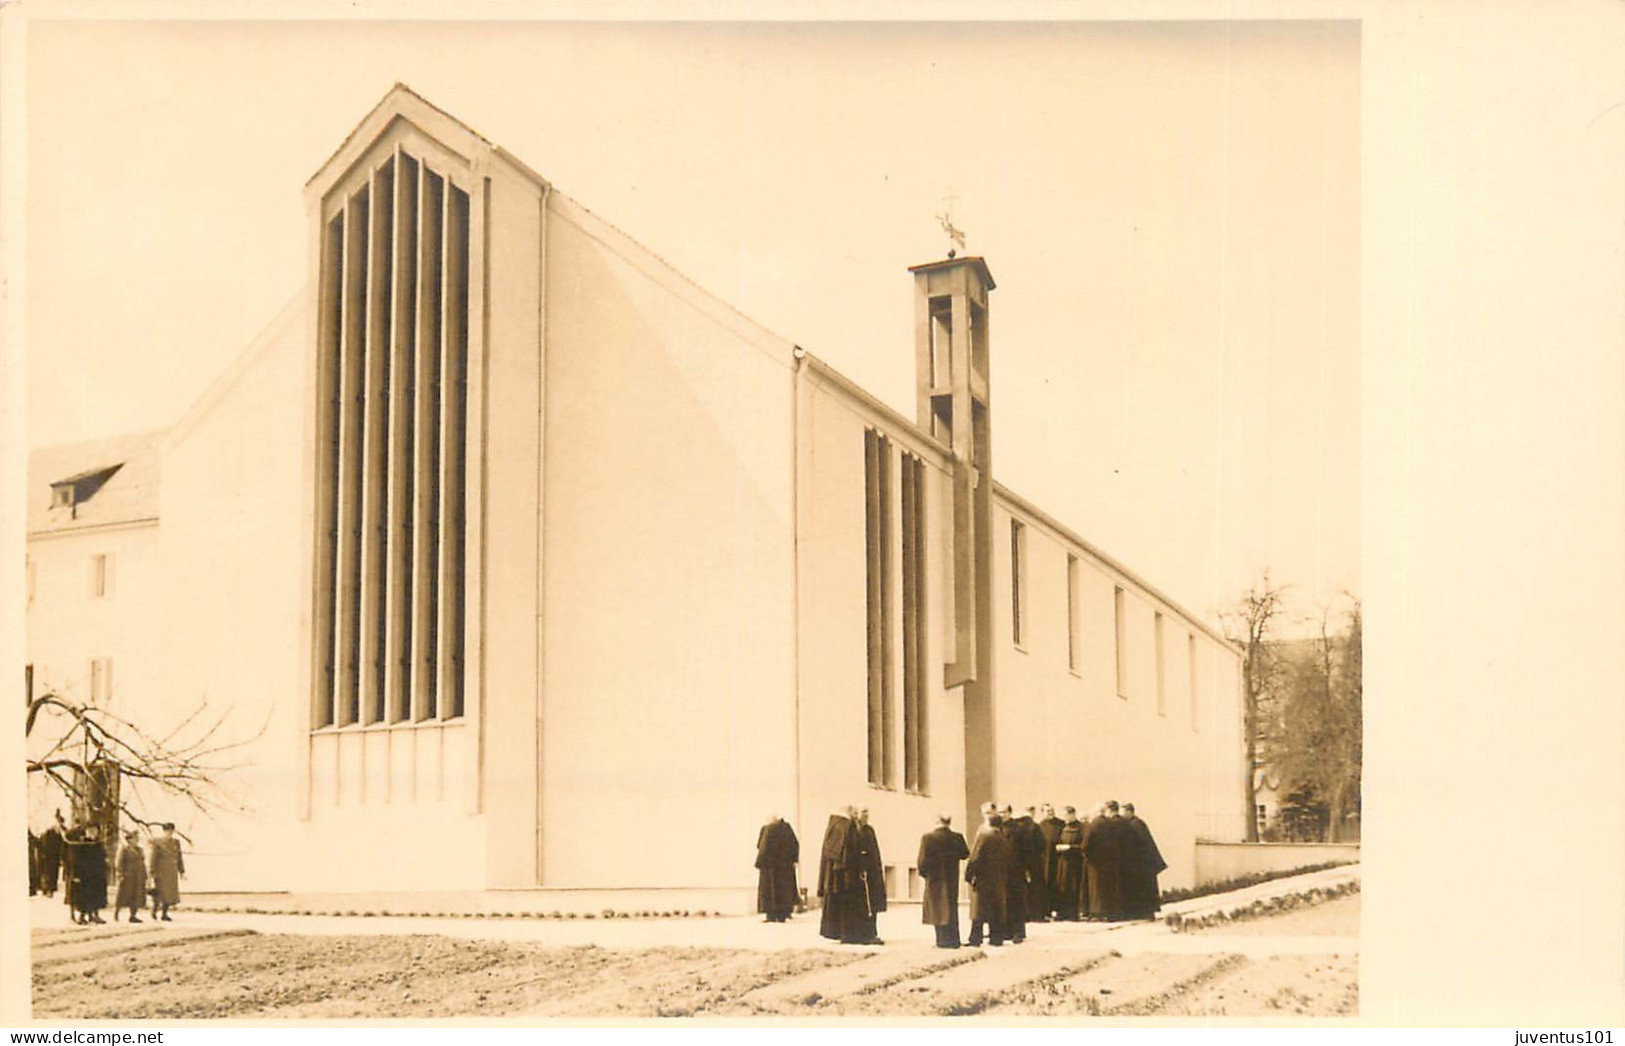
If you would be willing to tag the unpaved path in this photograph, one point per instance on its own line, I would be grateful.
(1303, 962)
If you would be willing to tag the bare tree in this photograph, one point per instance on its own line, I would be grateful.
(1318, 753)
(1249, 624)
(85, 747)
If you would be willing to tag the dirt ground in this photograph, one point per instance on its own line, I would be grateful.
(210, 972)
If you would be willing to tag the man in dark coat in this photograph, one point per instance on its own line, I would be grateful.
(1070, 895)
(1033, 862)
(777, 851)
(1015, 893)
(837, 868)
(872, 870)
(1142, 863)
(1103, 862)
(50, 853)
(988, 873)
(33, 863)
(1049, 827)
(941, 850)
(87, 888)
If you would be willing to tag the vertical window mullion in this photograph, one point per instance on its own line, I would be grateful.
(426, 455)
(347, 586)
(375, 430)
(329, 367)
(398, 648)
(454, 359)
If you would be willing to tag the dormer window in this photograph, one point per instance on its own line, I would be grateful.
(71, 492)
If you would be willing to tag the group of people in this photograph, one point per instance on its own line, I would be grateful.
(1021, 868)
(77, 858)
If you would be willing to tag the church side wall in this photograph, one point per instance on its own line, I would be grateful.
(667, 619)
(231, 500)
(834, 648)
(1067, 733)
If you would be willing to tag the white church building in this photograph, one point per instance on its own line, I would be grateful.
(528, 564)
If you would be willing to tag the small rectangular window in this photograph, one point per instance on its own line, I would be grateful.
(101, 575)
(1122, 661)
(1073, 640)
(101, 680)
(1018, 566)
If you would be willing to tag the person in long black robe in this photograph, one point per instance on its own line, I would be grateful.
(1103, 862)
(941, 850)
(872, 870)
(33, 863)
(1049, 828)
(988, 872)
(777, 851)
(1142, 863)
(50, 854)
(88, 889)
(1034, 861)
(840, 883)
(1015, 892)
(1070, 895)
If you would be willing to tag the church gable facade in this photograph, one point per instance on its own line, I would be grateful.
(574, 575)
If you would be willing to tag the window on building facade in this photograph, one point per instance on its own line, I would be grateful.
(1018, 582)
(101, 680)
(392, 413)
(30, 570)
(916, 735)
(880, 624)
(28, 684)
(1121, 639)
(1162, 663)
(101, 575)
(1196, 682)
(1074, 656)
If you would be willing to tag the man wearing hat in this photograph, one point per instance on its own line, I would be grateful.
(132, 878)
(168, 868)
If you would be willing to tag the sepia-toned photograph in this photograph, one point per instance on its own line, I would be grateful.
(729, 520)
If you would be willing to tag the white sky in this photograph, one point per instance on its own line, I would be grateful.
(1172, 213)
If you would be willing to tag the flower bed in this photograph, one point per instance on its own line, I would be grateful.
(1179, 923)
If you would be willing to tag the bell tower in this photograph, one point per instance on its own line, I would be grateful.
(951, 367)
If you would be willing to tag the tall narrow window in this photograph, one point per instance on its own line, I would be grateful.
(1196, 681)
(392, 431)
(1121, 640)
(941, 342)
(1018, 568)
(28, 683)
(877, 540)
(1161, 661)
(30, 570)
(1073, 639)
(916, 739)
